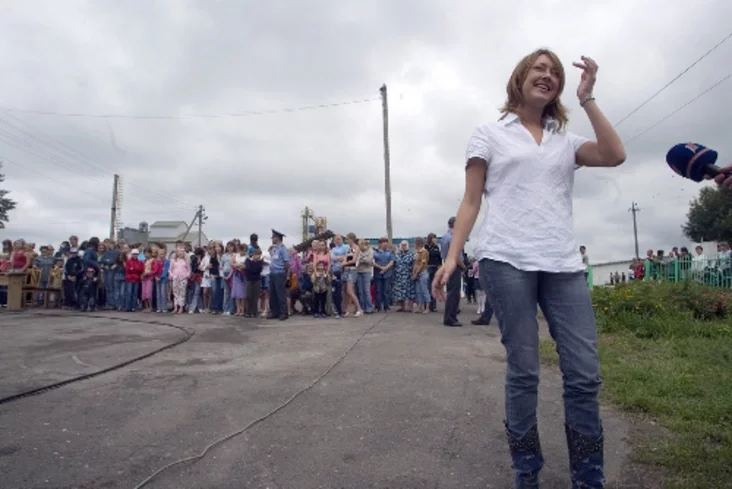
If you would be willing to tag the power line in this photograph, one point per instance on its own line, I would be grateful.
(78, 172)
(673, 80)
(82, 190)
(680, 108)
(68, 152)
(246, 113)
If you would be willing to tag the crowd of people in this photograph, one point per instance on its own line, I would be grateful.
(680, 264)
(340, 277)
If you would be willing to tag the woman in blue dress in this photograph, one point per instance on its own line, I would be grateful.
(403, 292)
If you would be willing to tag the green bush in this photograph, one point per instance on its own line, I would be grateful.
(663, 309)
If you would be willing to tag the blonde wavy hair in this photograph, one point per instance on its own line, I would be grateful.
(554, 109)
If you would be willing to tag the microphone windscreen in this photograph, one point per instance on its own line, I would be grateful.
(690, 160)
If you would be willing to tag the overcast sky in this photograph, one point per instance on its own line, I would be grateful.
(445, 63)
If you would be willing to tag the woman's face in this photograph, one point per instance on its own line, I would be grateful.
(404, 246)
(230, 248)
(126, 249)
(101, 248)
(541, 85)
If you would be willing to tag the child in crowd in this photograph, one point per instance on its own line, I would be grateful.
(118, 276)
(306, 289)
(55, 282)
(253, 268)
(264, 294)
(88, 290)
(321, 283)
(73, 270)
(148, 278)
(239, 279)
(194, 281)
(134, 269)
(421, 276)
(162, 267)
(179, 272)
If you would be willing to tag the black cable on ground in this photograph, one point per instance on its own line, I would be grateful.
(280, 407)
(46, 388)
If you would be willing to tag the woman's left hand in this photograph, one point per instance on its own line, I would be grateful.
(589, 76)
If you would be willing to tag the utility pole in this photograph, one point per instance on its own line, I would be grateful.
(188, 229)
(387, 167)
(634, 209)
(201, 218)
(115, 197)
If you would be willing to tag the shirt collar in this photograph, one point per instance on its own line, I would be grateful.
(511, 118)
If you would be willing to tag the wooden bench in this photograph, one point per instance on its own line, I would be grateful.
(47, 291)
(14, 281)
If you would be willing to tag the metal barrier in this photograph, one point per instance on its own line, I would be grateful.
(713, 272)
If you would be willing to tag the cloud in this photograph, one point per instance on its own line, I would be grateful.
(446, 66)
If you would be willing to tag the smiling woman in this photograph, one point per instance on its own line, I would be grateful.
(524, 165)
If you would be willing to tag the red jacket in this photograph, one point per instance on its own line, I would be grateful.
(157, 268)
(133, 270)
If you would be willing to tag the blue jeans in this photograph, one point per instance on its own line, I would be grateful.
(119, 290)
(338, 292)
(382, 281)
(217, 294)
(131, 292)
(108, 278)
(363, 291)
(228, 301)
(161, 296)
(194, 298)
(565, 301)
(422, 288)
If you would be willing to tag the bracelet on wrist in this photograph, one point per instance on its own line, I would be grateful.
(586, 99)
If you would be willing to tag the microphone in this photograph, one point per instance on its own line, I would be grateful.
(693, 161)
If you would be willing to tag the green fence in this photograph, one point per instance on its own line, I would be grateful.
(715, 272)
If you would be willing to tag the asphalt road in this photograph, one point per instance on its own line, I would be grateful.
(412, 405)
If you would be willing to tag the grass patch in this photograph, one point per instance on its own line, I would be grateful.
(674, 365)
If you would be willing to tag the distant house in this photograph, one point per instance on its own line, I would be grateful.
(135, 235)
(168, 232)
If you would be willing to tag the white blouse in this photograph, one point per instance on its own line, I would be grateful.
(528, 190)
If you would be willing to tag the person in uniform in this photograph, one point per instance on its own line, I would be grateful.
(279, 270)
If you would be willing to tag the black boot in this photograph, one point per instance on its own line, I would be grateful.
(585, 459)
(527, 458)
